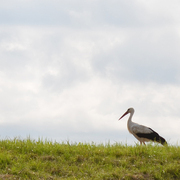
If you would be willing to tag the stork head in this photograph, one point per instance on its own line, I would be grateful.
(130, 110)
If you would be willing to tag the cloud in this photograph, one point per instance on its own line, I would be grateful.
(89, 13)
(144, 56)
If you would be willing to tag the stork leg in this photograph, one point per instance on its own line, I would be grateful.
(142, 142)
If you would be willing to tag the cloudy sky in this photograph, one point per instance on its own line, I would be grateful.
(69, 69)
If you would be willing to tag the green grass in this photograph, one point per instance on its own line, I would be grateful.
(30, 159)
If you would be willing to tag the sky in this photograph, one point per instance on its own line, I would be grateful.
(69, 69)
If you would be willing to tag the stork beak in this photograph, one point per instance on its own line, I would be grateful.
(124, 114)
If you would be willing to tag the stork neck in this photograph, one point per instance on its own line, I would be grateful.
(130, 117)
(129, 122)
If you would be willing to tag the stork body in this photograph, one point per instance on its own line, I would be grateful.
(140, 132)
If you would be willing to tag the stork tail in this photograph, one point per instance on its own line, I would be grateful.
(161, 140)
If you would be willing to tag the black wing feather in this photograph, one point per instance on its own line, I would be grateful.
(154, 136)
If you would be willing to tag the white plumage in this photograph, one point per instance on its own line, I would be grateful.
(140, 132)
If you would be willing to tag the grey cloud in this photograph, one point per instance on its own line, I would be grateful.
(142, 58)
(35, 13)
(81, 14)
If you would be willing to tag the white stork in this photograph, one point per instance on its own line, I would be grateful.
(140, 132)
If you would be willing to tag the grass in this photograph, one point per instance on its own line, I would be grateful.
(30, 159)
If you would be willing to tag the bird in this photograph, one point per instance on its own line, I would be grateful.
(140, 132)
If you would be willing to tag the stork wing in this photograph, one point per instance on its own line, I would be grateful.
(141, 129)
(147, 133)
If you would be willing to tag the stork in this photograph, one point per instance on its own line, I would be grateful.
(140, 132)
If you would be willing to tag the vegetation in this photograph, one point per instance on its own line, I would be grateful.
(30, 159)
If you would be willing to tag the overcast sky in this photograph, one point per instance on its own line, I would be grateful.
(69, 69)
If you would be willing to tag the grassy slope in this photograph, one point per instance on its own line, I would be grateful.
(27, 159)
